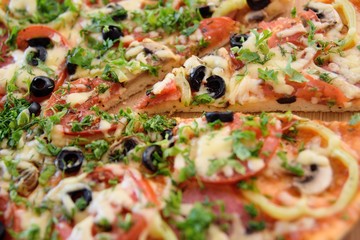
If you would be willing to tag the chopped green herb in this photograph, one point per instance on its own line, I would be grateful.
(197, 222)
(355, 119)
(251, 210)
(204, 98)
(294, 169)
(46, 174)
(294, 75)
(268, 75)
(98, 148)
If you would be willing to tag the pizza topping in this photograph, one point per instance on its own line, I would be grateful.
(219, 116)
(34, 108)
(39, 42)
(111, 32)
(35, 55)
(317, 175)
(237, 40)
(69, 160)
(152, 157)
(41, 86)
(81, 198)
(71, 68)
(257, 4)
(196, 77)
(216, 86)
(27, 180)
(205, 11)
(286, 100)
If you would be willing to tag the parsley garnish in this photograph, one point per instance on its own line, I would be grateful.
(294, 75)
(204, 98)
(98, 148)
(268, 75)
(251, 210)
(355, 119)
(185, 20)
(240, 149)
(197, 222)
(294, 169)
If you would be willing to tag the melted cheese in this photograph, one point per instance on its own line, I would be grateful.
(159, 86)
(214, 145)
(78, 98)
(21, 8)
(83, 230)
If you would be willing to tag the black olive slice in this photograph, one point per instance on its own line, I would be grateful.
(2, 231)
(257, 4)
(41, 86)
(286, 100)
(112, 33)
(147, 51)
(119, 13)
(205, 11)
(197, 75)
(149, 155)
(129, 144)
(34, 108)
(167, 134)
(237, 40)
(69, 160)
(85, 194)
(215, 85)
(33, 57)
(71, 68)
(39, 42)
(222, 116)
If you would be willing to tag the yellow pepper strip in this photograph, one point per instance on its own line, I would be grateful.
(347, 11)
(228, 6)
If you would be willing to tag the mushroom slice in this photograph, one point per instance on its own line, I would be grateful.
(318, 173)
(326, 13)
(27, 180)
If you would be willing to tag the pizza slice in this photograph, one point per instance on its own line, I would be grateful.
(302, 63)
(220, 175)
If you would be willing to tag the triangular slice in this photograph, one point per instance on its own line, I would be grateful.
(303, 63)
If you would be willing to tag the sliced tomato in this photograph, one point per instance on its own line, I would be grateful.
(64, 230)
(217, 31)
(38, 31)
(212, 193)
(279, 25)
(169, 93)
(325, 92)
(5, 58)
(137, 227)
(79, 111)
(102, 176)
(146, 188)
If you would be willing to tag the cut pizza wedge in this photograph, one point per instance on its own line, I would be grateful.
(304, 63)
(268, 176)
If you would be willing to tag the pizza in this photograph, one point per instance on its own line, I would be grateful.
(88, 149)
(305, 62)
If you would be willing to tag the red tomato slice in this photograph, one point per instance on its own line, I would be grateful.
(279, 25)
(137, 228)
(64, 230)
(324, 91)
(37, 31)
(79, 111)
(146, 188)
(217, 31)
(227, 194)
(5, 59)
(169, 93)
(102, 176)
